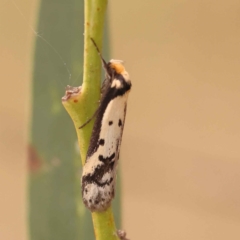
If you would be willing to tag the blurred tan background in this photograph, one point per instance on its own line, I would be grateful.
(180, 153)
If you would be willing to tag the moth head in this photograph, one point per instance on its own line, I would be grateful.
(117, 67)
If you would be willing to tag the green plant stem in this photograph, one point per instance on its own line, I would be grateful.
(82, 105)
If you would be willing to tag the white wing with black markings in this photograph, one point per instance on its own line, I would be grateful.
(99, 171)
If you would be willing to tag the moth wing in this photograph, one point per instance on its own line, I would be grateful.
(99, 172)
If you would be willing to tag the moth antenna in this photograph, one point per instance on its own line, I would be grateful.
(103, 61)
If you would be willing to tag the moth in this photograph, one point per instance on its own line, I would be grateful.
(99, 171)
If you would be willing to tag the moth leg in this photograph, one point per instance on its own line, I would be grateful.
(89, 120)
(122, 235)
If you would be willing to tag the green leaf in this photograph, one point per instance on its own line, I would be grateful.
(56, 211)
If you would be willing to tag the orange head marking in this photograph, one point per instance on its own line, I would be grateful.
(117, 65)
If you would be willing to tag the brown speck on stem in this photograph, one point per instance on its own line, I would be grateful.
(122, 235)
